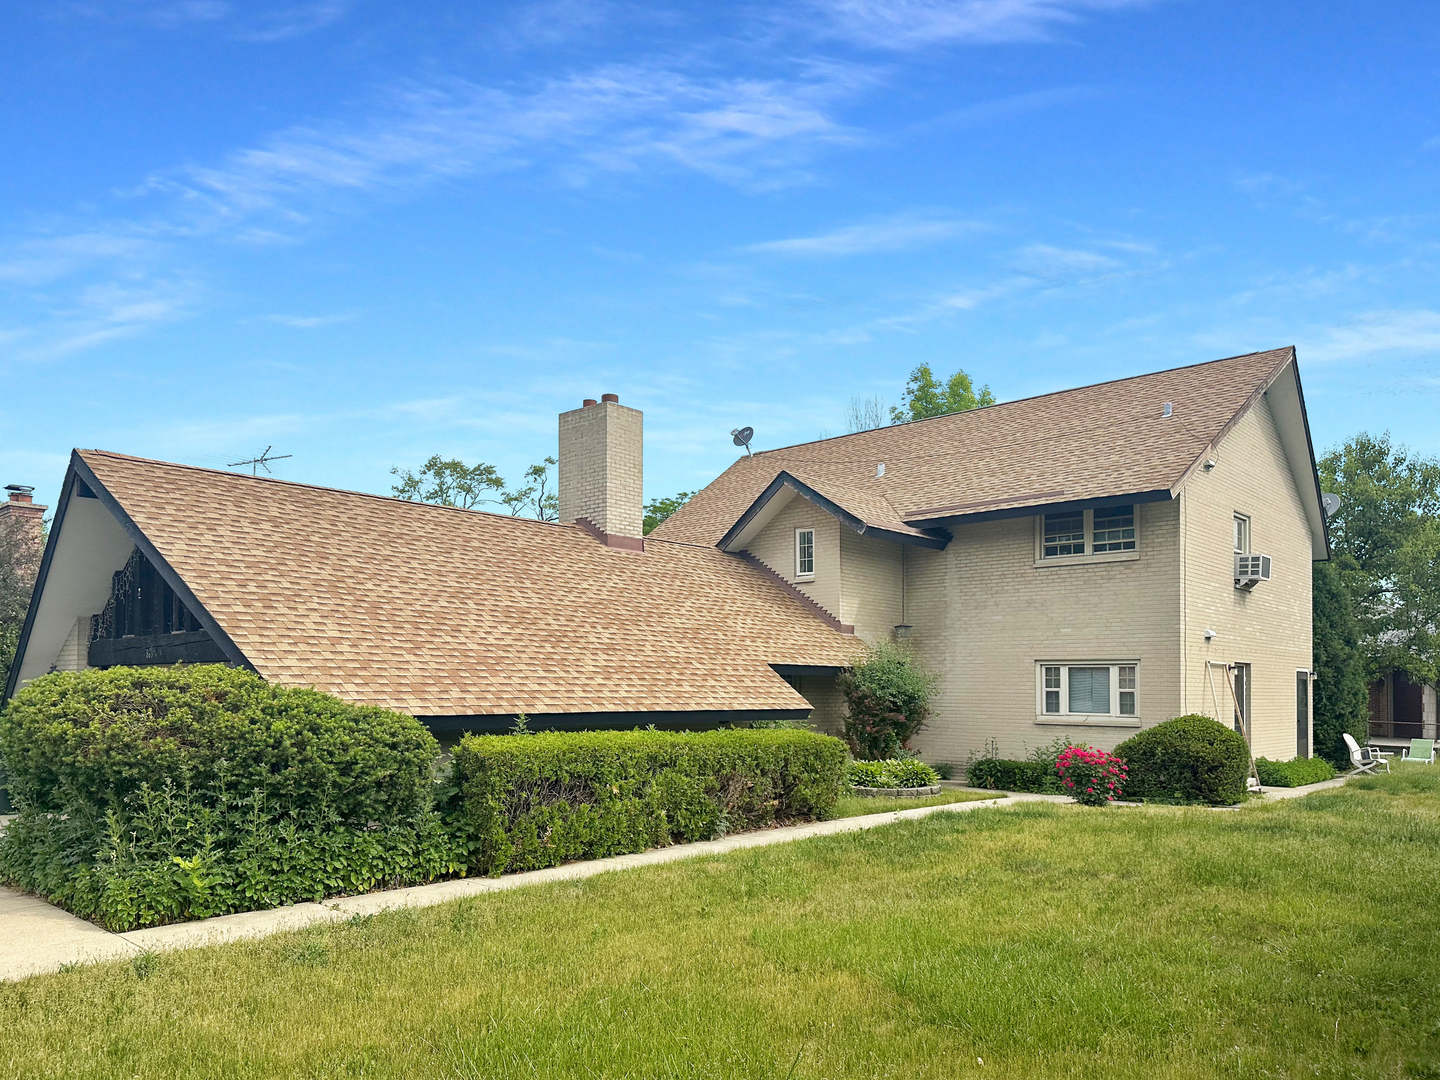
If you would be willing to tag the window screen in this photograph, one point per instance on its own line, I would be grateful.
(1052, 689)
(1115, 528)
(1065, 534)
(1090, 690)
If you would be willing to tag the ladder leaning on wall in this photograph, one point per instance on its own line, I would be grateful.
(1210, 666)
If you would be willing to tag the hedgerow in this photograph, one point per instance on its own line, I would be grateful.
(537, 801)
(892, 773)
(1296, 773)
(150, 795)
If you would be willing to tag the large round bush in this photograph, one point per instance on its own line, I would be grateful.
(96, 736)
(1191, 759)
(887, 698)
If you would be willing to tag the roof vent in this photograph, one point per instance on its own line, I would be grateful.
(1167, 411)
(880, 470)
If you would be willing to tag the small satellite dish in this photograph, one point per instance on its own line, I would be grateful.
(742, 437)
(1331, 502)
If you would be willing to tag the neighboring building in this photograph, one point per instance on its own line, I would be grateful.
(1084, 563)
(1401, 709)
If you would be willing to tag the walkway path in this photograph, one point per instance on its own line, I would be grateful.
(37, 937)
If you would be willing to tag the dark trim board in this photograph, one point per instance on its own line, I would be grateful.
(617, 721)
(195, 647)
(1159, 495)
(783, 480)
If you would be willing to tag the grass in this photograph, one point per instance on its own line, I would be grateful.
(858, 805)
(1286, 939)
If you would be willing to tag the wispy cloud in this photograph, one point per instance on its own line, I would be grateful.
(912, 24)
(309, 322)
(892, 234)
(1376, 333)
(251, 21)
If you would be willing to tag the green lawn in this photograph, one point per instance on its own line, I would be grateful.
(1288, 939)
(857, 805)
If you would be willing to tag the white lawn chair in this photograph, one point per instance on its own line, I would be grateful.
(1420, 751)
(1364, 758)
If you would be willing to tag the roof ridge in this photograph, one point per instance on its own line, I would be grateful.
(321, 487)
(1032, 397)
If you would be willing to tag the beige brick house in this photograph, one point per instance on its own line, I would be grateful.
(1085, 563)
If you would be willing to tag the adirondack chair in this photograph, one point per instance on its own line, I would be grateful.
(1364, 758)
(1421, 751)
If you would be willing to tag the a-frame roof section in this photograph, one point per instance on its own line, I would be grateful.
(867, 512)
(437, 611)
(1074, 446)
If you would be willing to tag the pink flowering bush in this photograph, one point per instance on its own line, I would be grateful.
(1091, 776)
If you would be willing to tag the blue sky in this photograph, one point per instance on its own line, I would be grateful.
(368, 232)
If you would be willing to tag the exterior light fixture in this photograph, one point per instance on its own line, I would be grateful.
(902, 630)
(1209, 635)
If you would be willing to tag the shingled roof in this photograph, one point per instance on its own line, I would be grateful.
(436, 611)
(1110, 439)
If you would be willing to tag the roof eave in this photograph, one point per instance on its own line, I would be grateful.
(734, 536)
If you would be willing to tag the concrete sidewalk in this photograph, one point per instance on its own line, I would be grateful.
(37, 937)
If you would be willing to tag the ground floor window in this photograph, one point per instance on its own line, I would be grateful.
(1088, 689)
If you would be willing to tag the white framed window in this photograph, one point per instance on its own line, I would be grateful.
(1242, 534)
(804, 553)
(1106, 531)
(1087, 691)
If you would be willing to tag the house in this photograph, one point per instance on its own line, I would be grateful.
(1083, 563)
(1401, 709)
(1080, 564)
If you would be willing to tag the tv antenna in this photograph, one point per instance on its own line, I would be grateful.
(261, 462)
(742, 437)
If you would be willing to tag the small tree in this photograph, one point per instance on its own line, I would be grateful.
(865, 413)
(536, 497)
(1341, 703)
(450, 482)
(888, 700)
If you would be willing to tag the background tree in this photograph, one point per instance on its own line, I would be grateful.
(1341, 700)
(450, 482)
(925, 397)
(20, 555)
(657, 510)
(1386, 537)
(865, 413)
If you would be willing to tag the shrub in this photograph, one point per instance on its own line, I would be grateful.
(1091, 776)
(1191, 759)
(551, 798)
(1296, 773)
(888, 700)
(1003, 774)
(149, 795)
(893, 773)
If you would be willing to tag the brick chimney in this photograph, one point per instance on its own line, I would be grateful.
(22, 514)
(600, 471)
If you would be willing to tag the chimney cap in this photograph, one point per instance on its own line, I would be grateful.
(588, 402)
(20, 492)
(610, 397)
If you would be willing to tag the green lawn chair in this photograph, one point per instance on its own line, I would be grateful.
(1421, 751)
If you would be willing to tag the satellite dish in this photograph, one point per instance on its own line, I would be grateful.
(1331, 502)
(742, 437)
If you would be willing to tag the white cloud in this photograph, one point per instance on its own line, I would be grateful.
(911, 24)
(1377, 332)
(893, 234)
(252, 21)
(308, 322)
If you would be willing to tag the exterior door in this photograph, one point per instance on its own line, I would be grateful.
(1302, 714)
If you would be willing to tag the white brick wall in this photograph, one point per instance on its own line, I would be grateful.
(600, 467)
(775, 547)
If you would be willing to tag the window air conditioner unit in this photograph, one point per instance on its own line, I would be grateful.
(1250, 570)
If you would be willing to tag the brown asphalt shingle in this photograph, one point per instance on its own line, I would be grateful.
(1091, 443)
(439, 612)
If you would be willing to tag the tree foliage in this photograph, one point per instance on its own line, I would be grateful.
(20, 555)
(657, 510)
(887, 697)
(1341, 704)
(925, 396)
(450, 482)
(1386, 538)
(865, 413)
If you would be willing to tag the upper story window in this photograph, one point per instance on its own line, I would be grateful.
(1242, 534)
(1106, 530)
(804, 553)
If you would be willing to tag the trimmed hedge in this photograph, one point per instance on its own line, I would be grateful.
(150, 795)
(1190, 759)
(1295, 773)
(541, 800)
(1002, 774)
(892, 773)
